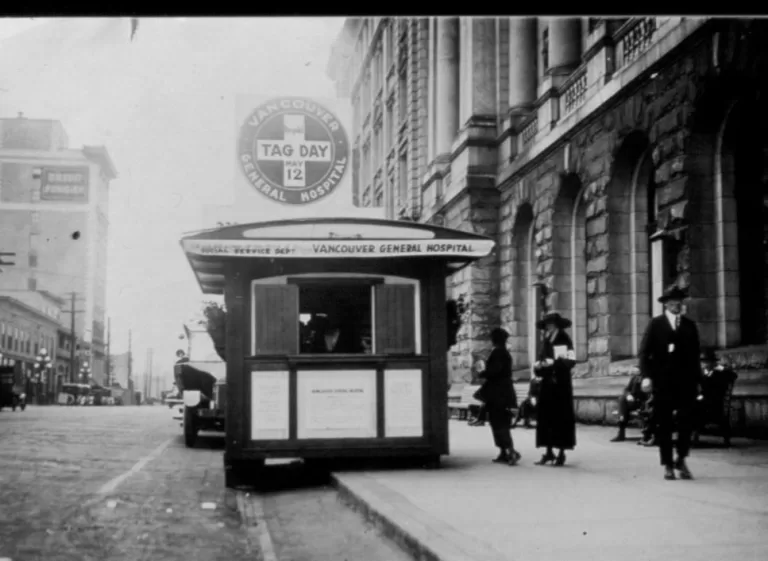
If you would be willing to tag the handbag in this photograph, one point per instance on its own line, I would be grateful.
(479, 395)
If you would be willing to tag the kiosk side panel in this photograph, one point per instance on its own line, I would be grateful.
(235, 301)
(434, 323)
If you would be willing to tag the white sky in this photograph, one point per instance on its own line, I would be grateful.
(164, 107)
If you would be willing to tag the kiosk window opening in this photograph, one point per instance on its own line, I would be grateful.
(335, 319)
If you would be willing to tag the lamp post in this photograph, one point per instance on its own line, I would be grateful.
(42, 366)
(85, 372)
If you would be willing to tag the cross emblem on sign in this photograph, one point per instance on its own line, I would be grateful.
(294, 151)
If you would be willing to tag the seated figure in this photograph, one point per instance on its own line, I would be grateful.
(635, 398)
(716, 385)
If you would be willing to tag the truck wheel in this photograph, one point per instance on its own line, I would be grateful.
(241, 473)
(190, 427)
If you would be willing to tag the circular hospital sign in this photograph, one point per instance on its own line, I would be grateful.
(293, 150)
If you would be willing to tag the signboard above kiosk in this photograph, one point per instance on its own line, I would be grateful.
(327, 238)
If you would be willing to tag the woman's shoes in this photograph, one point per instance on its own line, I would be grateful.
(560, 461)
(545, 459)
(510, 457)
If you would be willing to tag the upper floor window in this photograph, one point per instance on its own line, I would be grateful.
(545, 49)
(402, 95)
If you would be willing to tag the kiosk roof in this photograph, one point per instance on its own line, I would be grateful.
(327, 238)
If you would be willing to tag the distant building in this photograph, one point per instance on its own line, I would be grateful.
(24, 332)
(120, 369)
(54, 204)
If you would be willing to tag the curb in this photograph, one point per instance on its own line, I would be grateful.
(421, 535)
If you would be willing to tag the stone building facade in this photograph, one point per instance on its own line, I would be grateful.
(608, 158)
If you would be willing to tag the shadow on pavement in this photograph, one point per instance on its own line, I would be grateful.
(209, 441)
(316, 473)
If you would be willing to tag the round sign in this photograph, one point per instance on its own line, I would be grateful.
(293, 150)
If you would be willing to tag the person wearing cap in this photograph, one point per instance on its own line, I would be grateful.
(716, 382)
(498, 395)
(669, 363)
(555, 420)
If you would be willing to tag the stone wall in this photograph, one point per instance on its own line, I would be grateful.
(655, 113)
(477, 212)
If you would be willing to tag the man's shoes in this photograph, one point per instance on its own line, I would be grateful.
(680, 466)
(620, 437)
(648, 443)
(669, 473)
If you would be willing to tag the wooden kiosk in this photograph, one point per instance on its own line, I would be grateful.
(382, 390)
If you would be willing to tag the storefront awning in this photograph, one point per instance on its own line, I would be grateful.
(327, 238)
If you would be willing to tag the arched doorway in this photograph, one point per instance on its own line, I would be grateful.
(741, 223)
(570, 259)
(631, 209)
(523, 300)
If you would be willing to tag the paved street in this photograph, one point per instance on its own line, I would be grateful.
(82, 483)
(86, 483)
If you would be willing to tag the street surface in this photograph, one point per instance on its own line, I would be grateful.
(117, 483)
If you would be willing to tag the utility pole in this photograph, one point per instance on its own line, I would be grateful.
(73, 312)
(151, 356)
(130, 370)
(109, 355)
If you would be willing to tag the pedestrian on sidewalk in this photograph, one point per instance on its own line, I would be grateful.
(498, 394)
(556, 420)
(669, 362)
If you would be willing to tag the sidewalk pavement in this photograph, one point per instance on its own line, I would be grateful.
(608, 502)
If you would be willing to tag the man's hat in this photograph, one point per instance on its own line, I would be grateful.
(673, 292)
(499, 334)
(709, 355)
(553, 317)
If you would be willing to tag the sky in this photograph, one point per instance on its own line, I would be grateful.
(163, 105)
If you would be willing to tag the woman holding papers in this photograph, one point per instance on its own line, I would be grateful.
(556, 422)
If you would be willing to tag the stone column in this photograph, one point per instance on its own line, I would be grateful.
(478, 69)
(564, 45)
(447, 84)
(523, 75)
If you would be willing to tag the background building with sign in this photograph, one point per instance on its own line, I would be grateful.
(608, 158)
(54, 204)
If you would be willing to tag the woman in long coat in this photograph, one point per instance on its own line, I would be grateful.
(498, 394)
(556, 420)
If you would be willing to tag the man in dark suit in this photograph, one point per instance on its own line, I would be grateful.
(669, 363)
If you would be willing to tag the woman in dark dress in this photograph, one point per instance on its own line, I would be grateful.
(556, 421)
(498, 394)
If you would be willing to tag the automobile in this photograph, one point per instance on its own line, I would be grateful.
(11, 395)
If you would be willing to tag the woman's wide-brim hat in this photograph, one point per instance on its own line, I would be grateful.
(553, 317)
(673, 292)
